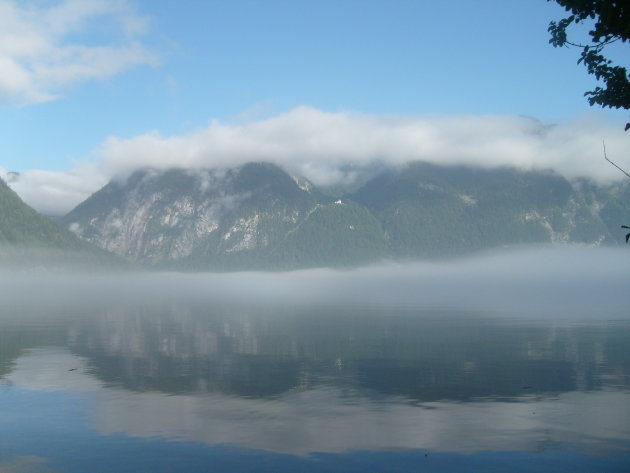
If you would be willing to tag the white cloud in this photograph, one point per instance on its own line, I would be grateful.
(54, 192)
(39, 59)
(319, 144)
(327, 147)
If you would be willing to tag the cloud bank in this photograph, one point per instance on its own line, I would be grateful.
(328, 147)
(53, 192)
(42, 51)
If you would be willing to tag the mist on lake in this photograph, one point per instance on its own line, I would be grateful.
(564, 279)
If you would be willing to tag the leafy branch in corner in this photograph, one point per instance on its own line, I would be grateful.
(611, 24)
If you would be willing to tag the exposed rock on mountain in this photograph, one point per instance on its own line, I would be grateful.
(258, 217)
(255, 216)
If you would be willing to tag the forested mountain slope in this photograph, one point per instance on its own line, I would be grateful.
(257, 216)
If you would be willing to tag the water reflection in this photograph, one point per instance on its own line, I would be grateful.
(335, 419)
(423, 356)
(303, 379)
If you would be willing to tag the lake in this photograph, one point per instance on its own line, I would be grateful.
(362, 371)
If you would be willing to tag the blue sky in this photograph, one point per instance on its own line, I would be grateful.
(82, 72)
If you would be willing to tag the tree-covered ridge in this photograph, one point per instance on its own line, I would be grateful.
(21, 225)
(30, 240)
(429, 210)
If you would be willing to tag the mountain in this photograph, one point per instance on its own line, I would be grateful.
(428, 210)
(28, 238)
(257, 216)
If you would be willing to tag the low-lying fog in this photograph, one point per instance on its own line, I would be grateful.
(562, 279)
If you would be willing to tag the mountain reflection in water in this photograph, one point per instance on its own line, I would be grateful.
(331, 379)
(423, 356)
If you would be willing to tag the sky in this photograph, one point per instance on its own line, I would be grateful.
(91, 89)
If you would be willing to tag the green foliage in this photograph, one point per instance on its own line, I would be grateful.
(340, 233)
(611, 23)
(428, 210)
(20, 224)
(28, 239)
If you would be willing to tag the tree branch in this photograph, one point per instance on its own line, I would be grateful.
(606, 158)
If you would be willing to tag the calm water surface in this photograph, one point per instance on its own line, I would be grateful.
(267, 387)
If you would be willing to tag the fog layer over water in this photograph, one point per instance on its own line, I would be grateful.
(520, 352)
(558, 278)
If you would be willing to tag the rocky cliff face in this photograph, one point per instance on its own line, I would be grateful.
(154, 217)
(236, 218)
(258, 217)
